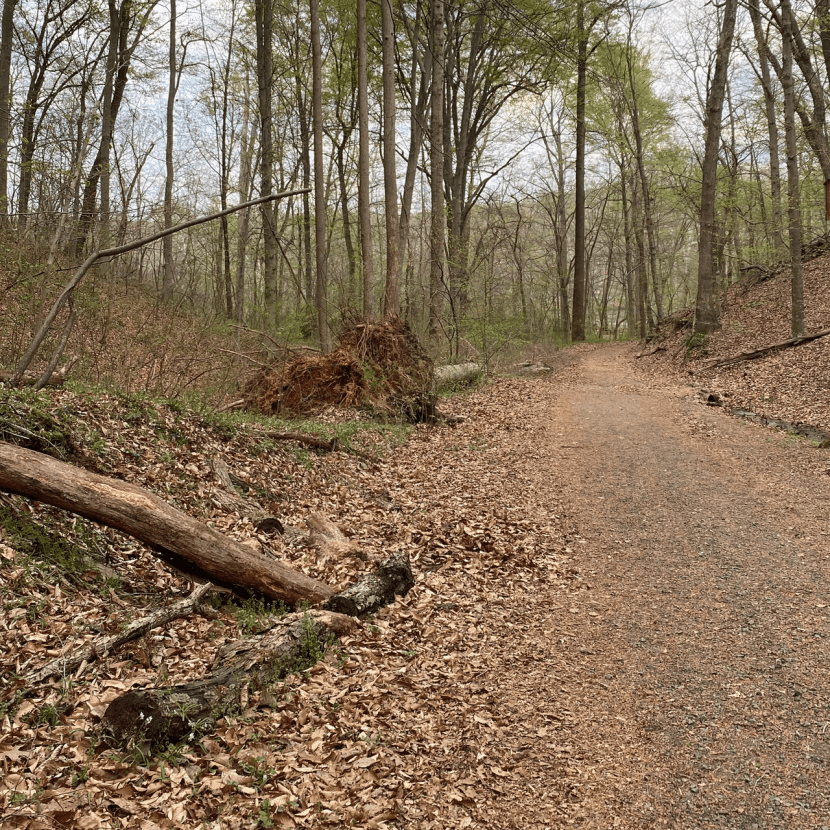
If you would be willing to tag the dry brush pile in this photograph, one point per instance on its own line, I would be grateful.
(377, 365)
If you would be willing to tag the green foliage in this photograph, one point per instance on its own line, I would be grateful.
(26, 421)
(264, 818)
(256, 614)
(43, 550)
(260, 772)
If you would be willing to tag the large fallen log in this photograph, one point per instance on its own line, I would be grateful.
(184, 541)
(161, 715)
(456, 374)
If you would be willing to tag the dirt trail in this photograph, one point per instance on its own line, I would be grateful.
(688, 684)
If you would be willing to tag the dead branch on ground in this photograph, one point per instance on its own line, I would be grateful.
(753, 354)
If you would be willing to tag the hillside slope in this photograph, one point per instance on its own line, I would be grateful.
(792, 385)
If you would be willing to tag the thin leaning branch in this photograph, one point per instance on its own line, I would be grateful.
(763, 350)
(117, 251)
(98, 648)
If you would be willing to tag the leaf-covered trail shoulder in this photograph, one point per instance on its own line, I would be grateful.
(701, 698)
(619, 620)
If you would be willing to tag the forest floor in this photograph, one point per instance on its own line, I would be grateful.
(620, 620)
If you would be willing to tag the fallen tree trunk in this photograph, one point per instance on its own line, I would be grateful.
(391, 578)
(753, 354)
(67, 664)
(459, 373)
(162, 715)
(187, 543)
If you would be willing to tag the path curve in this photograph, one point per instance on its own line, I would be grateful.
(692, 655)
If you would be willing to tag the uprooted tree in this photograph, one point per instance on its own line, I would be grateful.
(378, 365)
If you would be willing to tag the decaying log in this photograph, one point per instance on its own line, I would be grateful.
(181, 539)
(764, 350)
(229, 499)
(327, 537)
(67, 664)
(528, 368)
(161, 715)
(391, 578)
(459, 373)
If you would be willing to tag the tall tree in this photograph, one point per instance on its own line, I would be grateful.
(127, 25)
(172, 85)
(6, 36)
(321, 292)
(264, 69)
(772, 125)
(706, 310)
(363, 208)
(579, 294)
(793, 189)
(436, 167)
(391, 301)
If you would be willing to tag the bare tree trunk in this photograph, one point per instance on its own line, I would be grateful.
(169, 276)
(391, 302)
(793, 190)
(438, 222)
(630, 293)
(578, 317)
(645, 190)
(419, 87)
(321, 292)
(706, 311)
(107, 122)
(363, 162)
(562, 240)
(245, 164)
(6, 37)
(264, 30)
(772, 128)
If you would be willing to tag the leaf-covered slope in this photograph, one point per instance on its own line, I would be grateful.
(402, 724)
(792, 385)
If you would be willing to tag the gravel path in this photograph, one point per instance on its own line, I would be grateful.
(691, 657)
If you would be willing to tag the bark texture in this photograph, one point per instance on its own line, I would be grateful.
(183, 541)
(391, 578)
(68, 663)
(161, 715)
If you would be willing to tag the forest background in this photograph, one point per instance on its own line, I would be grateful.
(496, 173)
